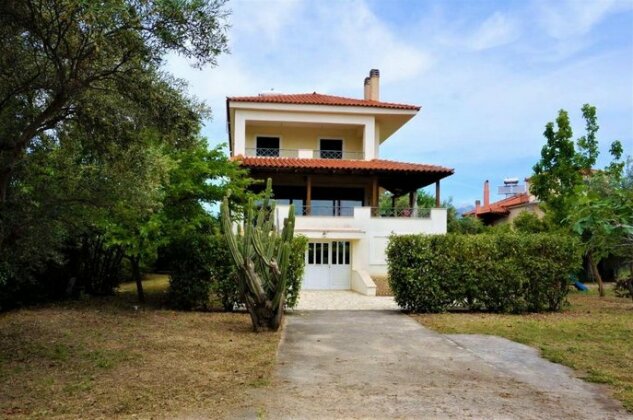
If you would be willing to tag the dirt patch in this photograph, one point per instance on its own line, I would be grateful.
(382, 286)
(111, 358)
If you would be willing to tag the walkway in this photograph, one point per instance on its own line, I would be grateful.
(383, 364)
(316, 300)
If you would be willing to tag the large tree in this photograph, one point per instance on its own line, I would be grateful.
(53, 52)
(593, 204)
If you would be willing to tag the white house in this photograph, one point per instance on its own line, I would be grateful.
(323, 155)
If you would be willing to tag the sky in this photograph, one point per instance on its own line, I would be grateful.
(488, 74)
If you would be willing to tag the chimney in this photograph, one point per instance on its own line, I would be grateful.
(367, 88)
(477, 205)
(374, 85)
(486, 194)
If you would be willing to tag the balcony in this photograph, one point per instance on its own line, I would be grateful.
(361, 222)
(305, 153)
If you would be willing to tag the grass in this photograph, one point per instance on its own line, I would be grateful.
(592, 335)
(110, 357)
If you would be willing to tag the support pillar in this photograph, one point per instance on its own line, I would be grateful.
(308, 205)
(438, 201)
(374, 191)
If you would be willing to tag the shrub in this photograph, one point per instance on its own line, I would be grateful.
(529, 222)
(500, 273)
(226, 287)
(190, 272)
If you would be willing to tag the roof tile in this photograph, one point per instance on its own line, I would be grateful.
(320, 99)
(341, 164)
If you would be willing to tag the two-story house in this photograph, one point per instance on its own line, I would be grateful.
(323, 155)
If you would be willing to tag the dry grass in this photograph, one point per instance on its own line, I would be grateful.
(104, 358)
(592, 335)
(382, 286)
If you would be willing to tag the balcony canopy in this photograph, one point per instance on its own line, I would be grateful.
(397, 177)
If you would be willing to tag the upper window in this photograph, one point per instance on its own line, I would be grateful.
(331, 149)
(267, 146)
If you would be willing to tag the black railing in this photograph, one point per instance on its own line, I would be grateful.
(293, 153)
(420, 213)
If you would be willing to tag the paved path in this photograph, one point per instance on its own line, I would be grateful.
(383, 364)
(316, 300)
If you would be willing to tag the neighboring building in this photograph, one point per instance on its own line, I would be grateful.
(518, 199)
(322, 153)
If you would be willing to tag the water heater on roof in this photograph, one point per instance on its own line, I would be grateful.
(511, 181)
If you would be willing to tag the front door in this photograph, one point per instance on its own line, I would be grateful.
(328, 265)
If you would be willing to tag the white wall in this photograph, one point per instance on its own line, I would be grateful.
(369, 235)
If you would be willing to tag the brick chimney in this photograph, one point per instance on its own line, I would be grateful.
(374, 85)
(367, 88)
(486, 193)
(477, 206)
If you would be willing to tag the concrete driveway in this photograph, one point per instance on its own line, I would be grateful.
(383, 364)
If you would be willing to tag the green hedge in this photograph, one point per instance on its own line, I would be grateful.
(499, 273)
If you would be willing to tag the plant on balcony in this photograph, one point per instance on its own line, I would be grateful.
(261, 255)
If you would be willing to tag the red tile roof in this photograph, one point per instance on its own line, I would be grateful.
(501, 206)
(319, 99)
(341, 164)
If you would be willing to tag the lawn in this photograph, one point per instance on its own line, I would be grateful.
(592, 335)
(108, 357)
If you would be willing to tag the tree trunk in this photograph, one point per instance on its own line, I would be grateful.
(5, 176)
(596, 274)
(136, 273)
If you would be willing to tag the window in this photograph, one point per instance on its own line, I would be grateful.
(331, 149)
(267, 146)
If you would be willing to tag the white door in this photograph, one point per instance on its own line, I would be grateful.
(328, 265)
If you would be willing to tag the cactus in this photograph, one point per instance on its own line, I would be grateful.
(261, 254)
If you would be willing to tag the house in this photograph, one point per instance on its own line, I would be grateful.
(323, 155)
(518, 199)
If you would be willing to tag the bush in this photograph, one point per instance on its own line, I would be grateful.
(499, 273)
(190, 272)
(529, 222)
(227, 286)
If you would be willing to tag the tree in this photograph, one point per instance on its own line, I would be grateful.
(602, 217)
(53, 52)
(592, 204)
(562, 165)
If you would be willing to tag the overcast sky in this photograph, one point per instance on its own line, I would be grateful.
(488, 74)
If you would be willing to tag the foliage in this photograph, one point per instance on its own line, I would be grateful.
(261, 256)
(468, 225)
(499, 273)
(296, 268)
(529, 222)
(65, 49)
(95, 140)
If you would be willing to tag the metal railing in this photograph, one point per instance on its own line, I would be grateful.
(420, 213)
(327, 211)
(293, 153)
(272, 152)
(338, 154)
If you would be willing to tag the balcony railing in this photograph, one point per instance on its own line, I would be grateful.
(420, 213)
(265, 152)
(304, 153)
(339, 211)
(337, 154)
(326, 211)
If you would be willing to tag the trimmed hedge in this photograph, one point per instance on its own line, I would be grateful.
(498, 273)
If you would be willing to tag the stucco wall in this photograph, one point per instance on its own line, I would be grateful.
(369, 235)
(295, 138)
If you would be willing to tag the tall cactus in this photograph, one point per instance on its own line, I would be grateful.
(261, 254)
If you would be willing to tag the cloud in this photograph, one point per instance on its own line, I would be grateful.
(497, 30)
(570, 18)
